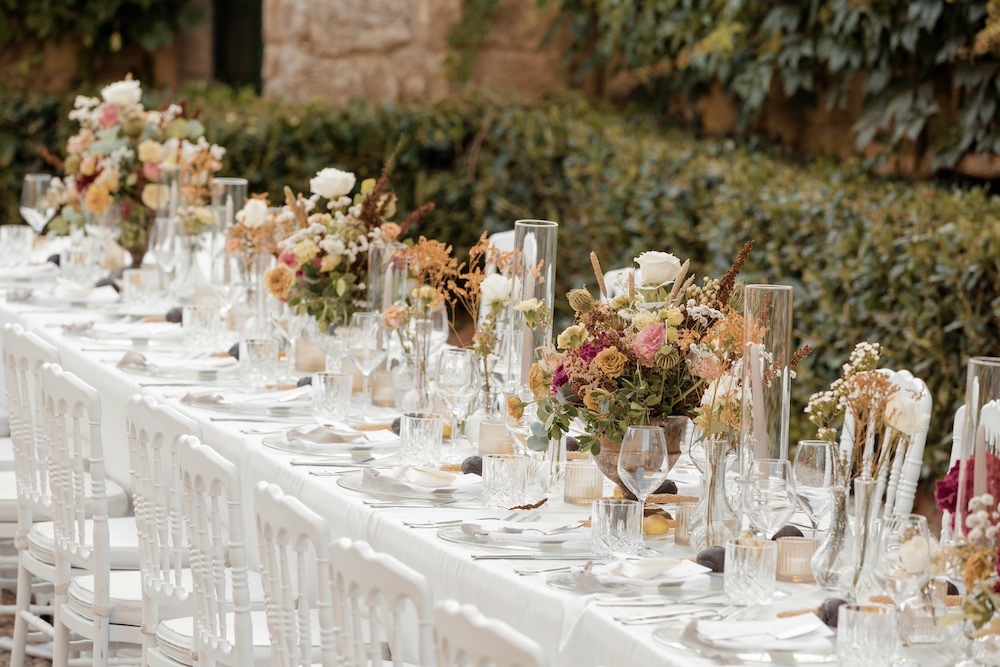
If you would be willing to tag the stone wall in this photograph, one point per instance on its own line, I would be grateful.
(389, 50)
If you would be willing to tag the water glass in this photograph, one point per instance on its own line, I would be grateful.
(505, 481)
(584, 482)
(420, 438)
(331, 397)
(751, 567)
(795, 558)
(866, 634)
(200, 327)
(17, 241)
(140, 286)
(616, 527)
(78, 263)
(259, 361)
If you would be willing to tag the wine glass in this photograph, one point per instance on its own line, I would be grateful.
(769, 494)
(105, 226)
(519, 418)
(643, 464)
(902, 563)
(228, 280)
(813, 471)
(165, 243)
(36, 208)
(367, 341)
(456, 382)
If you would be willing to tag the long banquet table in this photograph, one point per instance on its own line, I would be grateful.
(572, 631)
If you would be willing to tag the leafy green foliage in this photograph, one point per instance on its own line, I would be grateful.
(467, 37)
(912, 56)
(912, 266)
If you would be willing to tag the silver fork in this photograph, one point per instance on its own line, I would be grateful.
(454, 522)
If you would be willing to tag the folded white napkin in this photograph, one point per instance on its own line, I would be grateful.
(139, 329)
(648, 572)
(68, 290)
(796, 633)
(285, 396)
(29, 271)
(529, 533)
(135, 360)
(417, 479)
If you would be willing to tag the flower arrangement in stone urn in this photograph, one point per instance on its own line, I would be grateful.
(119, 157)
(629, 361)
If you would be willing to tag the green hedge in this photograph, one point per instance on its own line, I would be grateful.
(915, 267)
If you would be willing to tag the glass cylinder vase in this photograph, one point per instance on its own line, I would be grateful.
(713, 522)
(767, 313)
(982, 408)
(388, 278)
(418, 399)
(857, 581)
(258, 324)
(834, 552)
(533, 296)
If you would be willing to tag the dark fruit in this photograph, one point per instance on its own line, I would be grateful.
(714, 558)
(175, 315)
(395, 425)
(667, 487)
(788, 531)
(952, 589)
(105, 282)
(572, 444)
(473, 466)
(828, 611)
(234, 351)
(302, 381)
(54, 259)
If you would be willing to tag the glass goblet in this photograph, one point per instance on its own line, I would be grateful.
(902, 563)
(367, 343)
(813, 472)
(456, 382)
(36, 207)
(769, 494)
(643, 464)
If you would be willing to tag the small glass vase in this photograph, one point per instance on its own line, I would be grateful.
(857, 581)
(487, 406)
(418, 399)
(713, 521)
(834, 552)
(551, 465)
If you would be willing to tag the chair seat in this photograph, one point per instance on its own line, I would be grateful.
(125, 594)
(174, 637)
(118, 499)
(124, 542)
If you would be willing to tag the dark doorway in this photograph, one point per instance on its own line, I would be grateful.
(239, 42)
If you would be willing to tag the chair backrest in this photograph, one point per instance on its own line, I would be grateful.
(616, 282)
(294, 570)
(370, 587)
(503, 241)
(154, 431)
(23, 357)
(463, 636)
(211, 501)
(72, 411)
(899, 483)
(957, 436)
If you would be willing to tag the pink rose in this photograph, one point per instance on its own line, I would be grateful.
(109, 116)
(287, 257)
(648, 342)
(150, 171)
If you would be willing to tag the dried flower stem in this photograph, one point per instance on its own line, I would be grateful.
(729, 280)
(631, 284)
(598, 273)
(680, 286)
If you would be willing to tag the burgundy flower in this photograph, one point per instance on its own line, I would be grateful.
(946, 490)
(559, 377)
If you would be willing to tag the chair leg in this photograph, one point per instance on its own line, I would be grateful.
(20, 623)
(60, 648)
(102, 640)
(150, 619)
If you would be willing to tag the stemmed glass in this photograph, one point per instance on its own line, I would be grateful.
(36, 208)
(456, 383)
(105, 226)
(643, 464)
(903, 562)
(367, 341)
(813, 471)
(165, 243)
(770, 498)
(228, 280)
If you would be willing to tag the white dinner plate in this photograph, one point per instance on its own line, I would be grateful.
(283, 444)
(455, 535)
(677, 637)
(353, 483)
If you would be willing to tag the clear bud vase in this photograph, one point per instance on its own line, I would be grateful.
(834, 552)
(259, 324)
(418, 399)
(552, 465)
(858, 582)
(713, 521)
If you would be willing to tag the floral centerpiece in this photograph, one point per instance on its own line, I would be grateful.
(883, 420)
(323, 262)
(119, 156)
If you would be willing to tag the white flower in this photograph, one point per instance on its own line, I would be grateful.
(903, 414)
(658, 267)
(529, 305)
(332, 183)
(254, 214)
(122, 93)
(495, 288)
(724, 389)
(914, 555)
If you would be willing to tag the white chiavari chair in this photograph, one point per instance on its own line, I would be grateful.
(86, 602)
(463, 636)
(899, 483)
(153, 434)
(375, 591)
(294, 546)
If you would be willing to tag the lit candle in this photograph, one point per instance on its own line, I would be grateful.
(528, 261)
(228, 220)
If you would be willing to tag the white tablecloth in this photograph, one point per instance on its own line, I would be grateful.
(572, 631)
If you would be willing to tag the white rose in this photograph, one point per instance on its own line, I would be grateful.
(903, 414)
(254, 214)
(658, 267)
(495, 288)
(332, 183)
(122, 93)
(914, 555)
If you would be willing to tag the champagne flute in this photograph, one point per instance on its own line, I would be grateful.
(643, 464)
(36, 209)
(455, 382)
(367, 342)
(813, 472)
(770, 498)
(902, 563)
